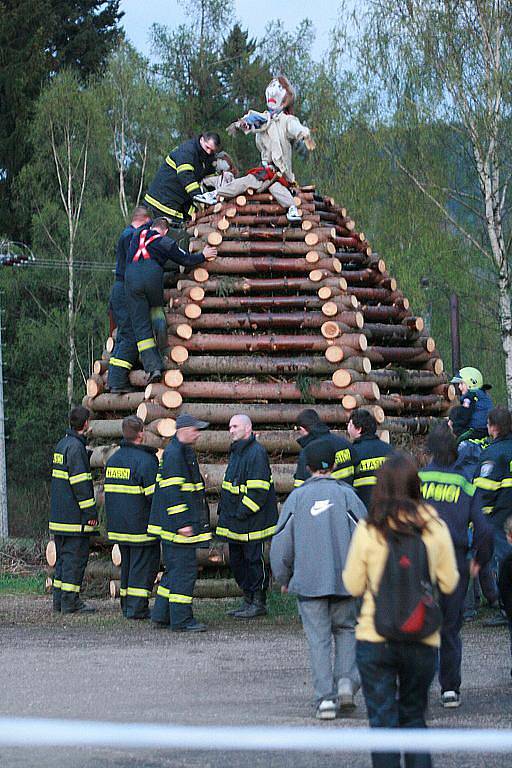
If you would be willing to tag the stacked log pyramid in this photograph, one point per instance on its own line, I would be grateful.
(287, 317)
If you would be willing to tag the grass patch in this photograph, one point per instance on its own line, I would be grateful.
(10, 584)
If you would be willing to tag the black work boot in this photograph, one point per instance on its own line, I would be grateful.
(246, 602)
(257, 607)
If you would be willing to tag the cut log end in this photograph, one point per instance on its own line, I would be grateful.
(315, 275)
(51, 553)
(311, 238)
(330, 330)
(184, 331)
(231, 212)
(166, 427)
(223, 224)
(173, 379)
(312, 257)
(116, 555)
(192, 311)
(334, 354)
(179, 354)
(201, 275)
(172, 399)
(110, 344)
(341, 378)
(307, 225)
(329, 309)
(215, 238)
(343, 284)
(241, 201)
(324, 292)
(337, 265)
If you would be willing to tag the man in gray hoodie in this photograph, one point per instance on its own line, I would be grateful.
(307, 556)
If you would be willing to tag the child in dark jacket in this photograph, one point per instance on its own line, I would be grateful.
(505, 580)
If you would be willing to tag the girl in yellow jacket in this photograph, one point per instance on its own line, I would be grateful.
(396, 675)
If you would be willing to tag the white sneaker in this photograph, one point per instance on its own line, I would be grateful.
(450, 699)
(326, 710)
(208, 198)
(345, 693)
(294, 214)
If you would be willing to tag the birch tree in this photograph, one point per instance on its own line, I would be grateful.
(447, 63)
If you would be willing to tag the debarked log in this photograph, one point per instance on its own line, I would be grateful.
(256, 365)
(256, 248)
(109, 402)
(307, 301)
(281, 473)
(264, 320)
(228, 286)
(252, 266)
(218, 342)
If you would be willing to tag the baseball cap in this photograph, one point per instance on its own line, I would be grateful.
(186, 420)
(320, 455)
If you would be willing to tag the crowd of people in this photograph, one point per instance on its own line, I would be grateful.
(379, 554)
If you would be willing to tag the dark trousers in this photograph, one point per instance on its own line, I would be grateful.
(125, 353)
(144, 296)
(173, 604)
(248, 566)
(72, 555)
(452, 606)
(139, 566)
(396, 677)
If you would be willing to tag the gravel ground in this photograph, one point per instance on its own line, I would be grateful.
(102, 667)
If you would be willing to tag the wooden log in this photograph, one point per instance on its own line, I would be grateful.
(281, 473)
(270, 320)
(225, 390)
(380, 295)
(101, 454)
(218, 342)
(414, 425)
(109, 402)
(178, 353)
(381, 356)
(269, 209)
(116, 555)
(279, 235)
(306, 301)
(161, 427)
(95, 385)
(216, 589)
(100, 367)
(406, 379)
(389, 332)
(256, 364)
(257, 264)
(51, 553)
(281, 413)
(240, 219)
(248, 285)
(105, 428)
(383, 314)
(173, 378)
(170, 398)
(406, 403)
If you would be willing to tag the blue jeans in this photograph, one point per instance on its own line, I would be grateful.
(396, 677)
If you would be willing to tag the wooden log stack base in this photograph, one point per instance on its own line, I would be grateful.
(286, 317)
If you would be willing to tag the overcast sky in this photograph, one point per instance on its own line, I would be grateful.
(253, 14)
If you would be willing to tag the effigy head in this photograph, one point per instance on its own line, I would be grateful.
(279, 95)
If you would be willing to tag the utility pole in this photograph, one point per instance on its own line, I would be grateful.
(455, 331)
(4, 519)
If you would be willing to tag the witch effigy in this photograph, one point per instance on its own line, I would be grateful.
(277, 132)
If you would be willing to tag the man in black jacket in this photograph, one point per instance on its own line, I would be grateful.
(247, 515)
(179, 515)
(178, 180)
(129, 487)
(73, 516)
(311, 428)
(149, 250)
(368, 451)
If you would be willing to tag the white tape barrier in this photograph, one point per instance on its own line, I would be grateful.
(32, 732)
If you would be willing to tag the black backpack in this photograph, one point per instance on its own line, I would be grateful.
(406, 603)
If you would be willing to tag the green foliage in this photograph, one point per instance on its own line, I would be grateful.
(22, 585)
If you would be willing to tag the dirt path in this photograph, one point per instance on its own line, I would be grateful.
(103, 668)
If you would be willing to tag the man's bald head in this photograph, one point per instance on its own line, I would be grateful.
(240, 427)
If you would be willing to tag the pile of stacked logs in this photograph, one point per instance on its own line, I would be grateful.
(287, 317)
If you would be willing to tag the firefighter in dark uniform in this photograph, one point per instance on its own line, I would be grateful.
(179, 515)
(149, 250)
(178, 181)
(311, 428)
(247, 515)
(129, 487)
(73, 516)
(493, 480)
(369, 452)
(125, 353)
(446, 484)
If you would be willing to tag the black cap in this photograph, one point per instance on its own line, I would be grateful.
(186, 420)
(320, 455)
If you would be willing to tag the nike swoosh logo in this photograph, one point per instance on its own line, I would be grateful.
(320, 506)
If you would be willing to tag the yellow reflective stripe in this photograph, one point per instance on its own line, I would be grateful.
(70, 528)
(122, 592)
(133, 490)
(487, 510)
(136, 538)
(149, 490)
(360, 481)
(60, 473)
(57, 583)
(163, 591)
(339, 474)
(171, 162)
(486, 484)
(179, 539)
(298, 483)
(86, 504)
(67, 587)
(176, 509)
(177, 598)
(191, 210)
(155, 529)
(185, 167)
(74, 479)
(190, 187)
(263, 484)
(250, 503)
(146, 344)
(506, 482)
(136, 592)
(120, 363)
(252, 536)
(192, 487)
(171, 481)
(164, 208)
(236, 489)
